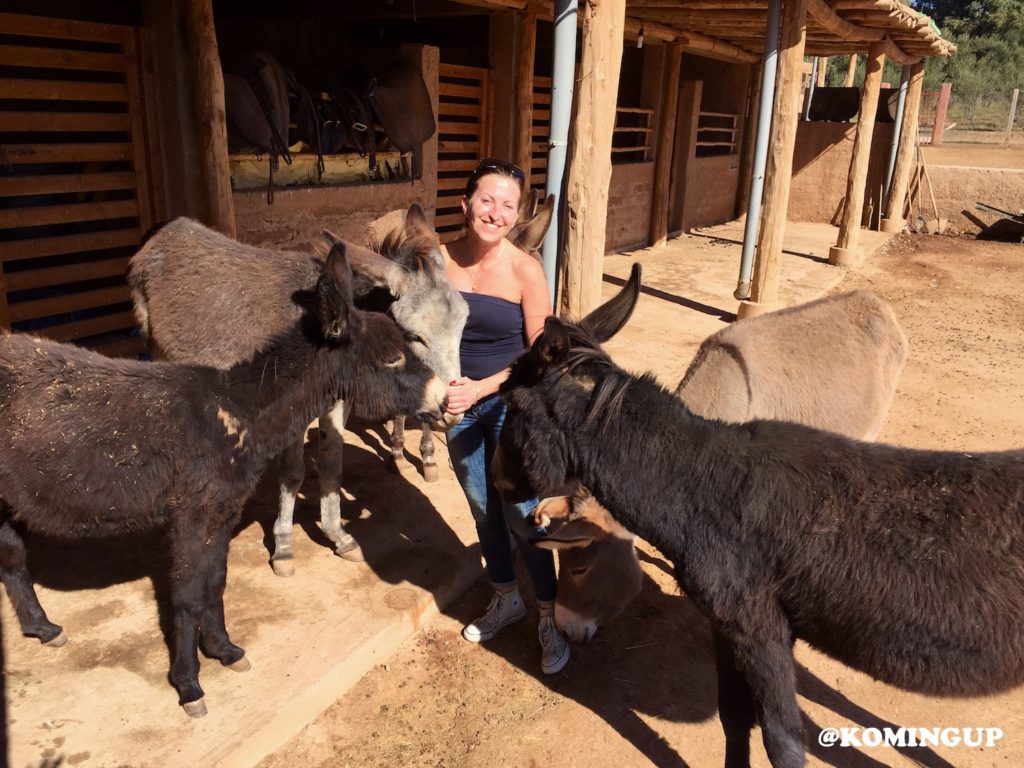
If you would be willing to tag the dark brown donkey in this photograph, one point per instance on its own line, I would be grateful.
(96, 447)
(201, 297)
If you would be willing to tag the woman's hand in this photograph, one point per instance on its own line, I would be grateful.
(462, 394)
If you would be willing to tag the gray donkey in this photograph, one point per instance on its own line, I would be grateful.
(202, 298)
(528, 234)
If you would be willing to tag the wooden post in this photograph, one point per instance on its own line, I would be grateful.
(764, 288)
(851, 71)
(590, 163)
(939, 126)
(1013, 114)
(822, 66)
(894, 221)
(211, 121)
(525, 54)
(690, 95)
(844, 253)
(666, 137)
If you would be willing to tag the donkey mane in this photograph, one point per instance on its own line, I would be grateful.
(416, 249)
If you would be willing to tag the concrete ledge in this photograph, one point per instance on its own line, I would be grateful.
(750, 308)
(893, 226)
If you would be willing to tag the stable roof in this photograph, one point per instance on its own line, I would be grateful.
(735, 29)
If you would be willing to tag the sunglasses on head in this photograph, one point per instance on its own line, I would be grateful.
(502, 166)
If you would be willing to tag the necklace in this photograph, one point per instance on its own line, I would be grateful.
(470, 270)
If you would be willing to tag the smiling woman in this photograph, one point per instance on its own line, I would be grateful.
(508, 302)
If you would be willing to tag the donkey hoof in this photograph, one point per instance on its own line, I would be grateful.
(283, 567)
(56, 642)
(195, 708)
(350, 550)
(242, 665)
(430, 473)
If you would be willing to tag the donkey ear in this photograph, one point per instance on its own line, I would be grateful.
(529, 235)
(605, 321)
(416, 220)
(378, 270)
(327, 241)
(553, 343)
(574, 534)
(334, 296)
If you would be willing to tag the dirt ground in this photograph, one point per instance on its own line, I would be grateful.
(976, 155)
(644, 689)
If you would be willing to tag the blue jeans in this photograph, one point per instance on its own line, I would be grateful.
(471, 445)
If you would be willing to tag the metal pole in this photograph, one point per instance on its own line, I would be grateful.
(563, 73)
(769, 66)
(901, 102)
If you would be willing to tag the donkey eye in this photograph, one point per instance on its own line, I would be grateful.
(579, 571)
(413, 338)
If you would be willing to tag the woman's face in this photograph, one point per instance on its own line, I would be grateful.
(491, 211)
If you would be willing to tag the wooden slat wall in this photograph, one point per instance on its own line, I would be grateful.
(75, 178)
(464, 136)
(541, 132)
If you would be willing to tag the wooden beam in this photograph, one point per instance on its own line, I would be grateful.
(525, 54)
(779, 169)
(590, 164)
(211, 122)
(845, 253)
(895, 206)
(692, 42)
(658, 233)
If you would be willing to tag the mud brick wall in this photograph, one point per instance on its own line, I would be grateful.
(958, 189)
(629, 206)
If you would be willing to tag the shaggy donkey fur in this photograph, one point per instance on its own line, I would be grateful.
(94, 447)
(905, 564)
(202, 297)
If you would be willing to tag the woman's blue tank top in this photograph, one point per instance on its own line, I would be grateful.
(493, 337)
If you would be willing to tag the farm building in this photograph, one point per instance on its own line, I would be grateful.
(113, 119)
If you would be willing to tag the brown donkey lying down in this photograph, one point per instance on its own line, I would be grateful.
(831, 364)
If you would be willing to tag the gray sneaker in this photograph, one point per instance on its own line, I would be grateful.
(505, 608)
(554, 649)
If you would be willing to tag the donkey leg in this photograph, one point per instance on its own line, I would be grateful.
(188, 602)
(399, 464)
(735, 706)
(18, 582)
(764, 655)
(213, 634)
(329, 466)
(427, 454)
(292, 471)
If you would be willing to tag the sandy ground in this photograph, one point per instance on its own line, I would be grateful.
(644, 689)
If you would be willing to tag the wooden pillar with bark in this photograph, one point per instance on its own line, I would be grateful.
(851, 71)
(590, 163)
(905, 155)
(211, 120)
(845, 252)
(525, 54)
(764, 288)
(822, 66)
(658, 234)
